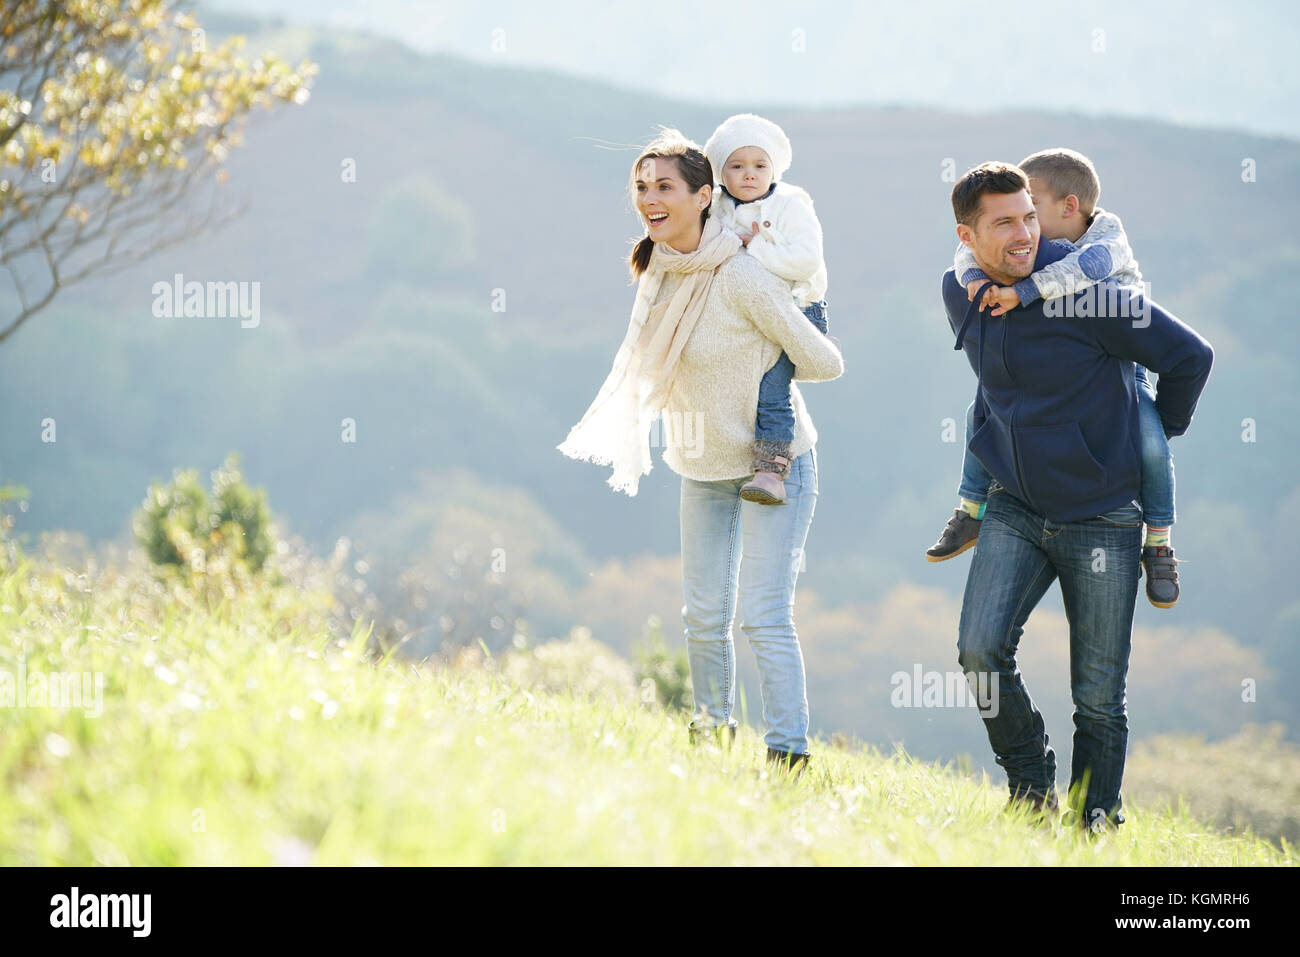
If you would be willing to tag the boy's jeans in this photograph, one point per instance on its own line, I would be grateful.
(1157, 461)
(1018, 556)
(718, 528)
(775, 414)
(1157, 458)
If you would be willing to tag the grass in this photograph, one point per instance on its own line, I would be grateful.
(239, 726)
(1250, 781)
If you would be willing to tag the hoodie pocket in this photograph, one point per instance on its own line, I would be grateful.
(991, 446)
(1057, 464)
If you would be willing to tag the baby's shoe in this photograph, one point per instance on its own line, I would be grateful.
(771, 466)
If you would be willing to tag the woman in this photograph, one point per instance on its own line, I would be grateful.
(706, 325)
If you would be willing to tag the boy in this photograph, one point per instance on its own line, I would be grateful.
(1065, 188)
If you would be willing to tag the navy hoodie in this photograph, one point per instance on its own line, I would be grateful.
(1056, 414)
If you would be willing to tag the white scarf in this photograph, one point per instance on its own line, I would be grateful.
(616, 427)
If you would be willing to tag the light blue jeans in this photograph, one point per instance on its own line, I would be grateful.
(739, 555)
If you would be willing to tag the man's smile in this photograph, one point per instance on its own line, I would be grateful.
(1021, 253)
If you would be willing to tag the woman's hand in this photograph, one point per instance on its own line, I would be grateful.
(765, 300)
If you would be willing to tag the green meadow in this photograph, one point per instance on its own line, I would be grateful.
(237, 719)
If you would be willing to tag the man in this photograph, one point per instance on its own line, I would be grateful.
(1056, 424)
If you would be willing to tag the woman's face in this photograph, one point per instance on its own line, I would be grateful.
(670, 210)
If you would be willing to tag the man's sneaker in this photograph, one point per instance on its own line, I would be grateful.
(1037, 806)
(958, 535)
(1099, 823)
(1162, 575)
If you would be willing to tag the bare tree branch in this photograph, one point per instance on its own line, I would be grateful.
(123, 122)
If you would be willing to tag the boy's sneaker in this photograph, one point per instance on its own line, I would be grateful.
(1162, 575)
(958, 535)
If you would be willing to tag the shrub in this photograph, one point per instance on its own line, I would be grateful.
(669, 670)
(577, 664)
(179, 525)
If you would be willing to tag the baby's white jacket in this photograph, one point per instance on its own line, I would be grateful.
(788, 243)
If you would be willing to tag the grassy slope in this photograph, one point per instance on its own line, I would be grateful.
(250, 735)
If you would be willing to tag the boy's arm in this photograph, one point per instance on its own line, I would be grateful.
(793, 252)
(1165, 345)
(967, 269)
(1102, 252)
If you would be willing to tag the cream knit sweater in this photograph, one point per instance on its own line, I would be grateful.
(708, 424)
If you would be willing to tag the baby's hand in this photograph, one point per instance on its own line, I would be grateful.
(746, 237)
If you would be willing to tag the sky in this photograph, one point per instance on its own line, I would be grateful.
(1200, 63)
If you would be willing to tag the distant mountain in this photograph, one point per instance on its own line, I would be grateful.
(1201, 62)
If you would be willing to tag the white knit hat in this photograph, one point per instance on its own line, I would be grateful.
(747, 129)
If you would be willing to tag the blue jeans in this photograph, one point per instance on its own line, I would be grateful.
(1019, 555)
(738, 554)
(1157, 459)
(975, 478)
(775, 414)
(1157, 492)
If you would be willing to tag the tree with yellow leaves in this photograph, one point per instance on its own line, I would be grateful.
(113, 113)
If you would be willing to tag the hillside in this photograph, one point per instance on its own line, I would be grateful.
(238, 724)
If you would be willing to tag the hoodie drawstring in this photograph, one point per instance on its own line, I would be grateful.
(971, 312)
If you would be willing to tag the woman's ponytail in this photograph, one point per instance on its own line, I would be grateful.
(639, 261)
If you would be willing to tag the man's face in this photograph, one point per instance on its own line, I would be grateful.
(1004, 238)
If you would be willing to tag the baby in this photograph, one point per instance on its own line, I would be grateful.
(1065, 189)
(779, 228)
